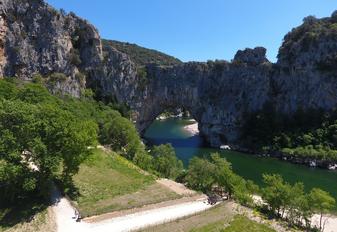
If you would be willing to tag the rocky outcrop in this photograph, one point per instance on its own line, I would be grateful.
(3, 30)
(251, 56)
(35, 38)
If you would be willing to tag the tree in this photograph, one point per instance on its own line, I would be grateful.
(297, 205)
(276, 192)
(252, 187)
(204, 174)
(165, 161)
(200, 174)
(121, 135)
(321, 202)
(65, 137)
(144, 160)
(35, 141)
(223, 174)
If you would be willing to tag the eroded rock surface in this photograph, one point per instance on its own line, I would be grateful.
(35, 38)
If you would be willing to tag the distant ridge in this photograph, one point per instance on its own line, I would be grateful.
(140, 55)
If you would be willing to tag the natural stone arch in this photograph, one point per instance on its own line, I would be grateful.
(215, 93)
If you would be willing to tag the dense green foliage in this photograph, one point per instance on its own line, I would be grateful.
(161, 160)
(44, 137)
(54, 133)
(142, 56)
(165, 161)
(36, 141)
(306, 134)
(120, 135)
(291, 202)
(216, 172)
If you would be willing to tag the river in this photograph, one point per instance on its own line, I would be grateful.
(249, 166)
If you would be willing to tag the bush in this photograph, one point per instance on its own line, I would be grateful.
(8, 89)
(56, 77)
(80, 77)
(142, 77)
(38, 79)
(75, 58)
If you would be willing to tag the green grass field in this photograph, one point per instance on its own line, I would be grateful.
(107, 182)
(239, 224)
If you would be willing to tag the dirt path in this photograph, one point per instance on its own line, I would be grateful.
(64, 214)
(128, 220)
(151, 217)
(121, 213)
(176, 187)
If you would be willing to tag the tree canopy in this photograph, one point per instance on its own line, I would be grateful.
(36, 143)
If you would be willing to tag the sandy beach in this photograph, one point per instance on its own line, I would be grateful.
(192, 128)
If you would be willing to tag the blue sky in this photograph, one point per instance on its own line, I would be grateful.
(198, 30)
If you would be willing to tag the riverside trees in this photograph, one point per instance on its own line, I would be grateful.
(165, 161)
(281, 199)
(204, 174)
(292, 203)
(320, 202)
(307, 134)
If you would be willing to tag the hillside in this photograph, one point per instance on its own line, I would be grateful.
(311, 45)
(98, 194)
(140, 55)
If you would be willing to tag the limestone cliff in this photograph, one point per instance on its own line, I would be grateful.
(35, 38)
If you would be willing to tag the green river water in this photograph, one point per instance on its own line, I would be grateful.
(248, 166)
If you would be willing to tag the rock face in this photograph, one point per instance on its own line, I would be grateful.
(251, 56)
(35, 38)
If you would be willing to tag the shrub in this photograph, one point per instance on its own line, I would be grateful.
(56, 77)
(142, 77)
(80, 77)
(75, 58)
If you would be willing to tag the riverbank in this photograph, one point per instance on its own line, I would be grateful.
(305, 161)
(248, 166)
